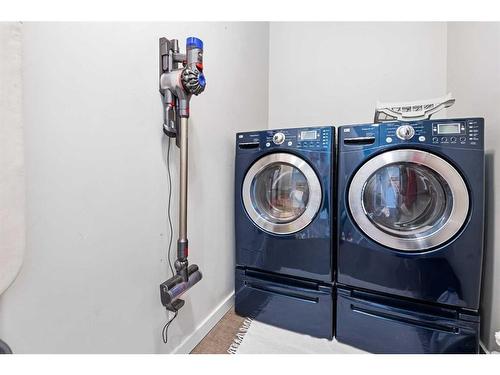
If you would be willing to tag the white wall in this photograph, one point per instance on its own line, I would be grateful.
(12, 193)
(97, 185)
(474, 79)
(324, 73)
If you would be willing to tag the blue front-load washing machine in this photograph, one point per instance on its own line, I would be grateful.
(283, 225)
(410, 235)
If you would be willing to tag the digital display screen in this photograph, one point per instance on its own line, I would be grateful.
(309, 135)
(453, 128)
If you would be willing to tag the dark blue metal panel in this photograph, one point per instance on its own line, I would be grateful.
(307, 253)
(380, 324)
(449, 274)
(305, 307)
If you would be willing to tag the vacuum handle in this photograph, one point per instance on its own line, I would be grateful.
(182, 247)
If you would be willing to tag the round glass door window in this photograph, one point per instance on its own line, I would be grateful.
(409, 200)
(281, 193)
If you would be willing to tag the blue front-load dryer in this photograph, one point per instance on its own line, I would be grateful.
(410, 235)
(283, 225)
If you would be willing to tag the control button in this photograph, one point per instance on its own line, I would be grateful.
(435, 139)
(421, 138)
(388, 140)
(453, 139)
(463, 139)
(268, 144)
(444, 139)
(278, 138)
(405, 132)
(289, 143)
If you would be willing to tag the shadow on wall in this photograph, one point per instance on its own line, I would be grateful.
(489, 256)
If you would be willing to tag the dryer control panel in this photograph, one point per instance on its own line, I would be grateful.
(312, 138)
(459, 133)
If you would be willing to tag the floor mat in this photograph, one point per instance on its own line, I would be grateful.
(255, 337)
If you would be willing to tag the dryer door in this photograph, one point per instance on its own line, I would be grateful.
(408, 200)
(281, 193)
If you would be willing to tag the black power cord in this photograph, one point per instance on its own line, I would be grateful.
(164, 331)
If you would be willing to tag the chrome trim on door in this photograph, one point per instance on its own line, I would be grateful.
(313, 204)
(460, 199)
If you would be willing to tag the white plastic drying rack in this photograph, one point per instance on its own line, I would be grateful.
(411, 111)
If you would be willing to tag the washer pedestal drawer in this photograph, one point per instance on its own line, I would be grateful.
(381, 324)
(298, 305)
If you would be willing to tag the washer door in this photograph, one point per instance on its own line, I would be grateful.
(281, 193)
(408, 200)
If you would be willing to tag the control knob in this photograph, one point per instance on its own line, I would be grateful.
(278, 138)
(405, 132)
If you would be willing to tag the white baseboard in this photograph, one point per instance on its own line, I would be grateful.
(201, 331)
(483, 347)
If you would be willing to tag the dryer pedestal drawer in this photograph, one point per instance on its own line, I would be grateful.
(300, 306)
(382, 324)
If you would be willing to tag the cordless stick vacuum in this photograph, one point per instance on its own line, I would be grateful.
(181, 76)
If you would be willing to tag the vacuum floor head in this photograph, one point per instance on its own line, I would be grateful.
(173, 288)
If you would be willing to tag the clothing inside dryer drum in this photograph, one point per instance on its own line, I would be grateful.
(407, 200)
(280, 193)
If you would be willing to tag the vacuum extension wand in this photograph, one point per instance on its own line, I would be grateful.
(181, 76)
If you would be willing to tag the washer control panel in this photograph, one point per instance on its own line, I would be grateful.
(454, 132)
(314, 138)
(405, 132)
(460, 133)
(278, 138)
(398, 132)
